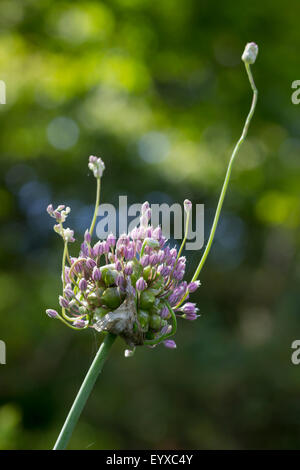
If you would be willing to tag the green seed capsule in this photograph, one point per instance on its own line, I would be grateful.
(147, 299)
(111, 297)
(143, 318)
(155, 322)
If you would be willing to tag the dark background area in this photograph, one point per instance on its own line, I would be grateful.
(158, 90)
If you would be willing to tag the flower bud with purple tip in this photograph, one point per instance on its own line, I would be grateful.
(82, 284)
(140, 284)
(51, 313)
(64, 303)
(96, 275)
(169, 343)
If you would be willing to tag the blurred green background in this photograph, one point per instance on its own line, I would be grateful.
(158, 90)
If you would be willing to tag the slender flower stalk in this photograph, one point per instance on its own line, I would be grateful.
(96, 206)
(248, 59)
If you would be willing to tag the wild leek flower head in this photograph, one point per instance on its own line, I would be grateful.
(131, 286)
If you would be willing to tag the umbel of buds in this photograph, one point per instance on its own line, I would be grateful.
(131, 286)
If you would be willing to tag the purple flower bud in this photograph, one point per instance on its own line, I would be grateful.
(164, 312)
(169, 343)
(153, 259)
(141, 284)
(193, 286)
(189, 308)
(190, 316)
(111, 240)
(68, 293)
(161, 256)
(96, 275)
(79, 323)
(145, 260)
(187, 205)
(63, 302)
(173, 299)
(90, 263)
(120, 281)
(84, 249)
(82, 284)
(51, 313)
(87, 237)
(178, 274)
(118, 265)
(128, 270)
(98, 249)
(166, 329)
(130, 252)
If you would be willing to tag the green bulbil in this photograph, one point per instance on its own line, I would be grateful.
(100, 312)
(155, 310)
(109, 276)
(147, 299)
(111, 297)
(146, 272)
(155, 322)
(143, 318)
(83, 310)
(94, 299)
(158, 284)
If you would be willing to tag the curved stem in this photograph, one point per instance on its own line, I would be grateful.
(228, 173)
(84, 392)
(96, 206)
(226, 181)
(185, 237)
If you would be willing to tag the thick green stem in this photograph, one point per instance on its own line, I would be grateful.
(84, 392)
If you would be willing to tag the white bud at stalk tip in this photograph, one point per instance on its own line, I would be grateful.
(250, 53)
